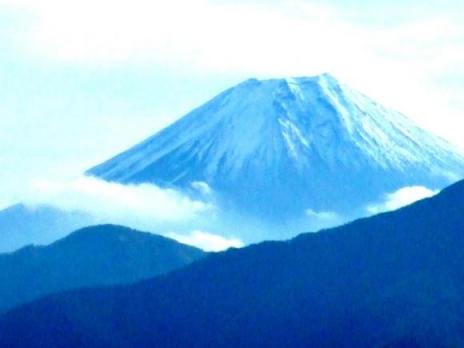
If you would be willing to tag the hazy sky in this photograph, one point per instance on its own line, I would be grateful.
(82, 80)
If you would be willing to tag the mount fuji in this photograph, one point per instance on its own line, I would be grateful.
(272, 150)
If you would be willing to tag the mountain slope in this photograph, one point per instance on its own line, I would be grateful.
(276, 148)
(393, 280)
(21, 225)
(100, 255)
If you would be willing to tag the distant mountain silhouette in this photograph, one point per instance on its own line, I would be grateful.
(94, 256)
(393, 280)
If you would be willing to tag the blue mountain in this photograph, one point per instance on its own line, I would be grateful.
(275, 149)
(93, 256)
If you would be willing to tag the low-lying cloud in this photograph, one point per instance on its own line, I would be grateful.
(400, 198)
(322, 215)
(108, 199)
(144, 206)
(207, 241)
(162, 211)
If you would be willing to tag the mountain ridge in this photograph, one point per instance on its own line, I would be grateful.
(392, 280)
(92, 256)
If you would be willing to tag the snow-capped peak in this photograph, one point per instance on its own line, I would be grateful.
(290, 145)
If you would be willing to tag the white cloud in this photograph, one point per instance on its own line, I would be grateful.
(322, 215)
(206, 34)
(145, 206)
(400, 198)
(263, 39)
(207, 241)
(118, 203)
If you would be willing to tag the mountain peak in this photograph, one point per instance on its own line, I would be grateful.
(92, 256)
(283, 146)
(326, 76)
(273, 85)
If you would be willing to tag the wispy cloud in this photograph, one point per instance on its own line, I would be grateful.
(144, 206)
(207, 241)
(117, 202)
(265, 39)
(322, 215)
(178, 31)
(400, 198)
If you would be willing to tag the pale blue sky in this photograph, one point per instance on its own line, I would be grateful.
(83, 80)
